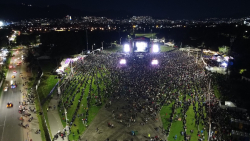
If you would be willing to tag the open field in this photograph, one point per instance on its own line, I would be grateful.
(86, 84)
(148, 35)
(164, 48)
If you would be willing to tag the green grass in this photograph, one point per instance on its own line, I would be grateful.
(177, 126)
(40, 120)
(1, 89)
(216, 92)
(165, 115)
(114, 49)
(148, 35)
(44, 108)
(93, 109)
(46, 84)
(164, 48)
(191, 124)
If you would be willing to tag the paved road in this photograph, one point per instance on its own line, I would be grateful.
(9, 128)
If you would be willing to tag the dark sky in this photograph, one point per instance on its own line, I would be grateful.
(174, 9)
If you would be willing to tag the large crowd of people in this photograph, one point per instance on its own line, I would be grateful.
(177, 81)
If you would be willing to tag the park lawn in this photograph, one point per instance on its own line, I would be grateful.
(45, 106)
(148, 35)
(93, 110)
(165, 48)
(41, 126)
(165, 115)
(216, 92)
(191, 124)
(176, 128)
(46, 84)
(114, 49)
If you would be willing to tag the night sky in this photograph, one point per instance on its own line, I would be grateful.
(174, 9)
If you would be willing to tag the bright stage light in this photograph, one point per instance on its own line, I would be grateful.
(155, 48)
(154, 62)
(141, 46)
(1, 23)
(122, 61)
(224, 64)
(126, 48)
(219, 59)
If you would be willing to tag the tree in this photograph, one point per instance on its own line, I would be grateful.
(224, 49)
(1, 75)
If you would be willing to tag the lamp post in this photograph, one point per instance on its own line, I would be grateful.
(229, 53)
(151, 34)
(8, 39)
(93, 47)
(102, 45)
(120, 40)
(87, 39)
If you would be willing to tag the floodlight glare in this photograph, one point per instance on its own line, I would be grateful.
(1, 23)
(126, 48)
(219, 60)
(224, 64)
(122, 61)
(141, 46)
(154, 62)
(155, 48)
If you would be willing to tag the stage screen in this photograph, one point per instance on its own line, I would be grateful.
(141, 46)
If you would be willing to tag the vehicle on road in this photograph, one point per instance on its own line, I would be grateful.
(13, 76)
(12, 84)
(14, 71)
(6, 89)
(9, 105)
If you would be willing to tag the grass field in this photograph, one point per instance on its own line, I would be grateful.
(114, 49)
(148, 35)
(47, 82)
(164, 48)
(177, 126)
(93, 109)
(216, 91)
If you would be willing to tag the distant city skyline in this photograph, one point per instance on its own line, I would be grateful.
(161, 9)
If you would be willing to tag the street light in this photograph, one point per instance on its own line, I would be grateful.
(8, 39)
(102, 45)
(92, 47)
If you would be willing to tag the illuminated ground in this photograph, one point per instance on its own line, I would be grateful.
(148, 35)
